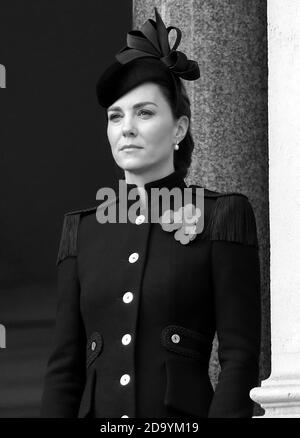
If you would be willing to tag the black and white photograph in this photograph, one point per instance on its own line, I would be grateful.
(149, 227)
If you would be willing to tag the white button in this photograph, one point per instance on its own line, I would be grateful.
(133, 257)
(140, 219)
(128, 297)
(93, 345)
(126, 339)
(124, 416)
(175, 338)
(125, 379)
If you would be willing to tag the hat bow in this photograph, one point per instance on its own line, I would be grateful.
(153, 41)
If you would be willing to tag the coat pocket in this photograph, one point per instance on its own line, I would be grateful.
(188, 387)
(94, 347)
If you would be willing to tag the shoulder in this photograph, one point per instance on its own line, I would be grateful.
(70, 227)
(228, 216)
(68, 239)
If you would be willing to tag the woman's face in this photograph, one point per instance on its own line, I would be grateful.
(143, 118)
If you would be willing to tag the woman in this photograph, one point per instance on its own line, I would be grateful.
(139, 304)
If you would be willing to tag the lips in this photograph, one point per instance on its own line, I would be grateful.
(130, 146)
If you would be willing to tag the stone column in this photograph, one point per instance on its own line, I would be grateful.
(228, 38)
(279, 395)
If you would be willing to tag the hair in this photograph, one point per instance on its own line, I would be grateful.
(182, 156)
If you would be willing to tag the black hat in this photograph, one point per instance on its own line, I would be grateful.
(147, 57)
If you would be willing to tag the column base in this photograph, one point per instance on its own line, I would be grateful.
(279, 398)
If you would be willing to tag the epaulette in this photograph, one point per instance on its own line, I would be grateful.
(231, 218)
(68, 240)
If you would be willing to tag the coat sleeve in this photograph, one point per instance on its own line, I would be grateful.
(65, 374)
(237, 302)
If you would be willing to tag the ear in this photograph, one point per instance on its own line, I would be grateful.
(182, 126)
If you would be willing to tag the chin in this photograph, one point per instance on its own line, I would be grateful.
(133, 166)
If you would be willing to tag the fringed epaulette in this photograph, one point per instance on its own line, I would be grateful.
(68, 240)
(232, 218)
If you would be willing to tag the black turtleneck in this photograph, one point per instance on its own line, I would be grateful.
(171, 181)
(174, 179)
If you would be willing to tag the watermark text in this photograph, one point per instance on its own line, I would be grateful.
(2, 76)
(2, 336)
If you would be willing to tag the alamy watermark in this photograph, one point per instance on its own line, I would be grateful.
(2, 336)
(2, 76)
(174, 205)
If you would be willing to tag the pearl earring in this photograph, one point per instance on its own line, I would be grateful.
(176, 147)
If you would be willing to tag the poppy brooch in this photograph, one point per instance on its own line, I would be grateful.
(183, 222)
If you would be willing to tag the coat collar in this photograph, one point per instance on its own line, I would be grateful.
(174, 179)
(171, 181)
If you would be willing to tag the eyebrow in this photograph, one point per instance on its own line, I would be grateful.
(137, 105)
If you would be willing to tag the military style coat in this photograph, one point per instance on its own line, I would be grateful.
(138, 310)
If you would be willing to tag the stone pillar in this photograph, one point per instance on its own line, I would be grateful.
(228, 38)
(279, 395)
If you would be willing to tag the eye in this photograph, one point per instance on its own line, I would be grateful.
(114, 116)
(146, 113)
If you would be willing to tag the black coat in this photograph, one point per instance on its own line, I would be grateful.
(211, 284)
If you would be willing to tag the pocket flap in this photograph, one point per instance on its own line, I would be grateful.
(186, 342)
(94, 347)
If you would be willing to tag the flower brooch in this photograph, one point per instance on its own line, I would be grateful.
(184, 221)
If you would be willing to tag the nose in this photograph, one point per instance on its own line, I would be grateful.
(128, 128)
